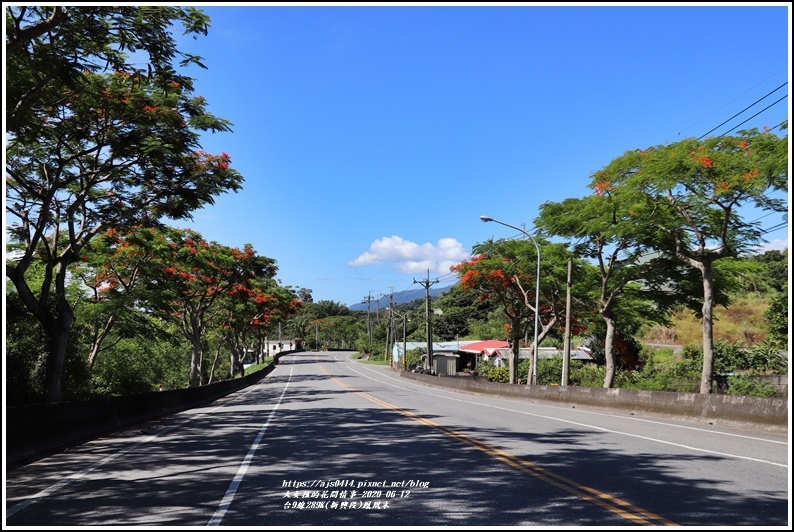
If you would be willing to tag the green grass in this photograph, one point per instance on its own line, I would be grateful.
(256, 367)
(742, 321)
(379, 360)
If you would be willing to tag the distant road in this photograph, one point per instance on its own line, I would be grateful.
(676, 348)
(328, 441)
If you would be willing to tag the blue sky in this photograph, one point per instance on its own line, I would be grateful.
(371, 138)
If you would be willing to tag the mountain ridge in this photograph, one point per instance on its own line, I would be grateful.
(399, 298)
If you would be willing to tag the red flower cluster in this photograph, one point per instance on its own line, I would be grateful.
(722, 187)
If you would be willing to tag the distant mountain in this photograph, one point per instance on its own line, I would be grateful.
(398, 298)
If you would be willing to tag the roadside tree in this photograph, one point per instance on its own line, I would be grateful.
(188, 276)
(692, 193)
(95, 142)
(606, 228)
(505, 272)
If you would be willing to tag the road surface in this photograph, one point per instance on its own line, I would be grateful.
(329, 441)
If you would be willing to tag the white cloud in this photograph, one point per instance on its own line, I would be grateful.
(410, 257)
(776, 244)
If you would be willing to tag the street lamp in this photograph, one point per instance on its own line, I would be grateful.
(405, 357)
(533, 377)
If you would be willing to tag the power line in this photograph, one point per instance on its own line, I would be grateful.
(746, 108)
(756, 114)
(781, 225)
(730, 102)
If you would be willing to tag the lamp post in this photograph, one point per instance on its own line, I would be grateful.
(533, 377)
(405, 358)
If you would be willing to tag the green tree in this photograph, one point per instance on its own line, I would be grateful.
(326, 308)
(94, 143)
(130, 366)
(187, 278)
(460, 308)
(605, 229)
(251, 307)
(341, 331)
(49, 47)
(24, 343)
(693, 191)
(774, 270)
(495, 277)
(110, 275)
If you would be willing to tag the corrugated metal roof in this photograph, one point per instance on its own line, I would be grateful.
(578, 353)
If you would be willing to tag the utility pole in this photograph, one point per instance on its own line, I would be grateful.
(429, 315)
(389, 323)
(566, 350)
(369, 320)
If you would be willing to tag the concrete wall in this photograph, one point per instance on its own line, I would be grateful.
(36, 430)
(761, 413)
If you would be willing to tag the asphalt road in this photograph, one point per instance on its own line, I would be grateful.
(327, 441)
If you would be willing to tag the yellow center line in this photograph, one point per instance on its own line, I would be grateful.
(618, 506)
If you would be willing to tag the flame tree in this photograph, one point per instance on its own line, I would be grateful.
(97, 142)
(504, 272)
(630, 278)
(693, 191)
(248, 312)
(193, 283)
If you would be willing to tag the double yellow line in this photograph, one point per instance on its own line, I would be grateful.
(620, 507)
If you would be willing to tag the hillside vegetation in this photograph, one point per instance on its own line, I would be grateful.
(742, 321)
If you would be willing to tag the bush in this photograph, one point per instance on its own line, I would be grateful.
(499, 374)
(587, 375)
(414, 359)
(550, 370)
(767, 357)
(776, 317)
(746, 385)
(735, 357)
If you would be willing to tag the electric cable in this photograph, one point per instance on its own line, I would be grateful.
(746, 108)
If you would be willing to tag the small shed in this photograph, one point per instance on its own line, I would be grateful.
(445, 363)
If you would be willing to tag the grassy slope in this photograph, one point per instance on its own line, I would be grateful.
(742, 321)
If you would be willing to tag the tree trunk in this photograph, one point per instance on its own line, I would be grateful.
(59, 341)
(195, 356)
(56, 325)
(609, 352)
(214, 362)
(707, 376)
(515, 333)
(99, 337)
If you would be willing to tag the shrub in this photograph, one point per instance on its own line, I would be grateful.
(414, 358)
(733, 357)
(499, 374)
(587, 375)
(776, 317)
(550, 370)
(767, 357)
(746, 385)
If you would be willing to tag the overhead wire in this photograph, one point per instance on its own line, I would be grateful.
(452, 276)
(730, 102)
(782, 224)
(756, 114)
(746, 108)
